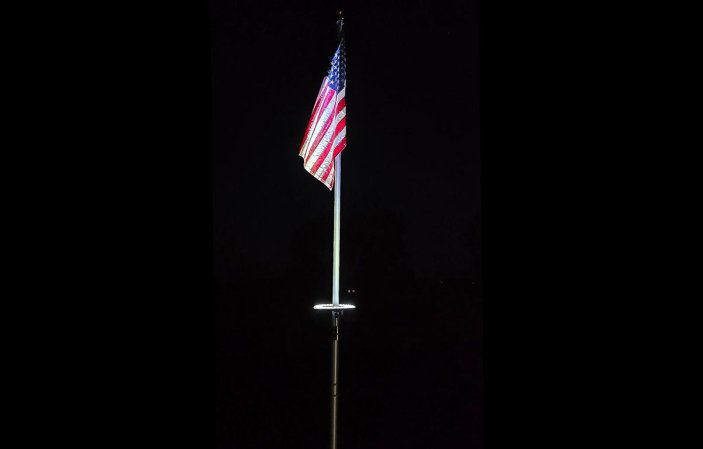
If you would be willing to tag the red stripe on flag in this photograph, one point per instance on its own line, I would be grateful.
(321, 158)
(327, 173)
(325, 126)
(327, 96)
(315, 110)
(338, 149)
(341, 104)
(340, 126)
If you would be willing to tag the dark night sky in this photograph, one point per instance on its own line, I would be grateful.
(412, 128)
(168, 192)
(411, 360)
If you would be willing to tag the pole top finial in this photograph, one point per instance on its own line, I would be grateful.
(340, 23)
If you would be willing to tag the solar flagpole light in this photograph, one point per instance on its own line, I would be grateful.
(336, 308)
(324, 140)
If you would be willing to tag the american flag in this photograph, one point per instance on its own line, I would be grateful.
(326, 134)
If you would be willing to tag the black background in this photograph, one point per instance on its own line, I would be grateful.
(172, 213)
(411, 372)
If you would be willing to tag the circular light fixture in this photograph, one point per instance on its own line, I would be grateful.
(334, 306)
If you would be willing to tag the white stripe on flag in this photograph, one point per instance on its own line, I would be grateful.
(325, 138)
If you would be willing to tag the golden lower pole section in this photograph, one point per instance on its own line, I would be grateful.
(335, 352)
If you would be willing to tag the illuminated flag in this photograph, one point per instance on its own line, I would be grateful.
(326, 134)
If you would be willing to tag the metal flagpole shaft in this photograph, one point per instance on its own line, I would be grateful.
(337, 198)
(335, 294)
(336, 314)
(337, 208)
(335, 363)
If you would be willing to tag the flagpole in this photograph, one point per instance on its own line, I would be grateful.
(336, 308)
(336, 314)
(337, 212)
